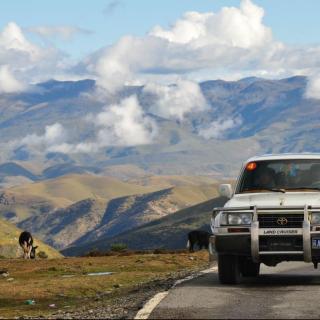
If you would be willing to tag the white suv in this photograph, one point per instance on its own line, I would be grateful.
(273, 215)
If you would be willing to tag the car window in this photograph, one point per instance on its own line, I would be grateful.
(280, 174)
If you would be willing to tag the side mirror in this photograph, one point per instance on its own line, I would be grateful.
(225, 190)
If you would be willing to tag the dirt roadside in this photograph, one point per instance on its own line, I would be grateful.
(126, 306)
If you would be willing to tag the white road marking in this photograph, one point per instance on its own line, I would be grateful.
(145, 312)
(151, 304)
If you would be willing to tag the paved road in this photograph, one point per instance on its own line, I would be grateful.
(291, 290)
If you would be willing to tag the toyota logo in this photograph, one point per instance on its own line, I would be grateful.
(282, 221)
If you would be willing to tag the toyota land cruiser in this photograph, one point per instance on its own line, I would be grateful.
(273, 215)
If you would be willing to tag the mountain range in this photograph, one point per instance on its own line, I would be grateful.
(145, 195)
(248, 117)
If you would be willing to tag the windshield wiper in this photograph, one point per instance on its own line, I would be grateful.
(268, 189)
(304, 188)
(274, 190)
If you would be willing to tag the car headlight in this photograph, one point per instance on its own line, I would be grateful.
(237, 218)
(223, 219)
(234, 218)
(315, 218)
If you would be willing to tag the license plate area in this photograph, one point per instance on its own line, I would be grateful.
(316, 243)
(280, 232)
(276, 243)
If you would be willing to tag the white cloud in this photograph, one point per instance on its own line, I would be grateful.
(123, 124)
(233, 42)
(234, 38)
(54, 135)
(234, 27)
(13, 41)
(313, 87)
(37, 144)
(8, 83)
(217, 129)
(64, 32)
(175, 101)
(25, 61)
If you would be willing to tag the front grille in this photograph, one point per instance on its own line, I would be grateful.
(280, 243)
(270, 220)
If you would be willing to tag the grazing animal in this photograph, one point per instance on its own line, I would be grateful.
(199, 237)
(26, 243)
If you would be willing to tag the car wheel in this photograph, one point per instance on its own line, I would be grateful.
(249, 268)
(228, 269)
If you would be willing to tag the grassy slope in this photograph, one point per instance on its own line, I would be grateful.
(129, 212)
(167, 232)
(73, 188)
(9, 247)
(54, 209)
(64, 226)
(91, 219)
(33, 198)
(173, 180)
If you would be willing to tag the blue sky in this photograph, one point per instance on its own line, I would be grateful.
(121, 42)
(293, 22)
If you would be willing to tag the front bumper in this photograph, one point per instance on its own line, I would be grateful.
(247, 244)
(231, 244)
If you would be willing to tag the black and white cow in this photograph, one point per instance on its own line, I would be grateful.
(199, 237)
(26, 243)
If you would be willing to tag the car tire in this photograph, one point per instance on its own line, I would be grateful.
(249, 268)
(229, 269)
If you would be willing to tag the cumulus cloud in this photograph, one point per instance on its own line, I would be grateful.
(233, 27)
(37, 144)
(123, 124)
(54, 135)
(233, 41)
(13, 41)
(217, 129)
(313, 87)
(25, 61)
(8, 83)
(175, 101)
(234, 38)
(64, 32)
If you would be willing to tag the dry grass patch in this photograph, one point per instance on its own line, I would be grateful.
(65, 283)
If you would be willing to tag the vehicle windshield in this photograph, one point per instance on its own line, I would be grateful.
(280, 176)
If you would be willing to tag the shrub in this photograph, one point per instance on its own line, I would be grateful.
(42, 255)
(94, 253)
(117, 247)
(159, 251)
